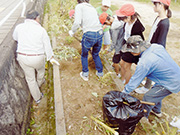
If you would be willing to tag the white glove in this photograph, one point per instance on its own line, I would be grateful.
(53, 61)
(71, 33)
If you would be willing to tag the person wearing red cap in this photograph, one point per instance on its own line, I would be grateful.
(117, 37)
(71, 13)
(106, 4)
(133, 26)
(158, 32)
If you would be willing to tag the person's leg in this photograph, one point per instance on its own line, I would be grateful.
(95, 53)
(116, 59)
(127, 67)
(40, 68)
(29, 72)
(126, 62)
(107, 40)
(116, 68)
(122, 71)
(148, 83)
(86, 45)
(155, 95)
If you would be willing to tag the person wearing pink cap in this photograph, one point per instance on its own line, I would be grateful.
(132, 26)
(71, 13)
(106, 4)
(158, 32)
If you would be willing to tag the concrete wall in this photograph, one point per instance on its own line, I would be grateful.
(15, 99)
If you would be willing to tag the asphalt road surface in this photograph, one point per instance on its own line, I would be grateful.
(10, 11)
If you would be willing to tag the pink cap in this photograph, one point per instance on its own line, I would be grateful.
(126, 10)
(166, 2)
(71, 13)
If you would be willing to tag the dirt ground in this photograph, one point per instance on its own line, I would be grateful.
(84, 99)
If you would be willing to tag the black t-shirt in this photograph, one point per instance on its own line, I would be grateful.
(160, 34)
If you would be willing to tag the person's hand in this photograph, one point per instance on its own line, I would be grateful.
(104, 26)
(53, 61)
(71, 33)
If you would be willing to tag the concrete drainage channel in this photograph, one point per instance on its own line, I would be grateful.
(59, 113)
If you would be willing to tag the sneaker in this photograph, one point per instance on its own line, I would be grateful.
(118, 75)
(85, 78)
(141, 90)
(38, 101)
(157, 114)
(99, 75)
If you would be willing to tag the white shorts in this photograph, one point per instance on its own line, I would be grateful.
(107, 38)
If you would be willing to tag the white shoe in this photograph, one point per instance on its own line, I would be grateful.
(99, 75)
(141, 90)
(157, 114)
(118, 75)
(85, 78)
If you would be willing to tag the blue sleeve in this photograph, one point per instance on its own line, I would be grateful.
(139, 75)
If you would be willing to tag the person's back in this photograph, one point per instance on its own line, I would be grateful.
(29, 36)
(161, 68)
(86, 16)
(32, 45)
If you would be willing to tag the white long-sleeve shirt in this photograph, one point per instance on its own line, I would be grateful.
(86, 17)
(32, 38)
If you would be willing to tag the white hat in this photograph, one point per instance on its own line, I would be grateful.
(106, 3)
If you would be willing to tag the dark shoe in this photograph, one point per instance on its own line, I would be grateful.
(38, 101)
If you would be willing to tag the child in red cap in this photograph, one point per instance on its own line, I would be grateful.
(106, 4)
(117, 37)
(132, 26)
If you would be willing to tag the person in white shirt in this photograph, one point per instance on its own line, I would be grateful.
(32, 44)
(87, 18)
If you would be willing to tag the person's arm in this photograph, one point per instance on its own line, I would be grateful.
(47, 45)
(114, 36)
(15, 34)
(140, 73)
(78, 19)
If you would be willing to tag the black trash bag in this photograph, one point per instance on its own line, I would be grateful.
(122, 110)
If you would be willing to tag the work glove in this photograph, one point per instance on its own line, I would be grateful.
(53, 61)
(71, 33)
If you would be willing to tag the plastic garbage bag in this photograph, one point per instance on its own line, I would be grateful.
(122, 110)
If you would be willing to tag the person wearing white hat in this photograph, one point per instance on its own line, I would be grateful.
(106, 4)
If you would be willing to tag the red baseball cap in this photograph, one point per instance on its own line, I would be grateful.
(166, 2)
(103, 17)
(71, 13)
(126, 10)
